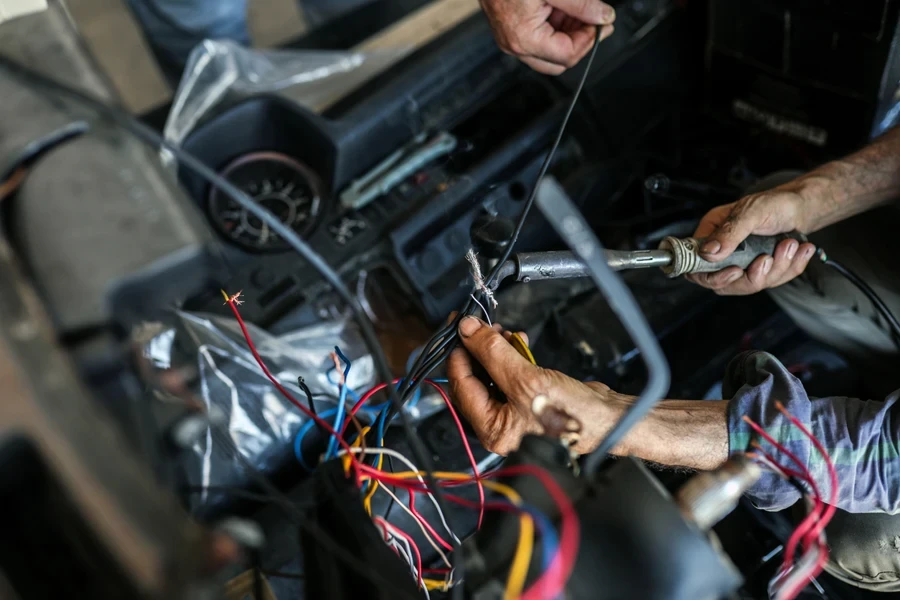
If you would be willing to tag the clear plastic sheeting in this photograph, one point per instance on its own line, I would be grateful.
(219, 73)
(244, 404)
(260, 423)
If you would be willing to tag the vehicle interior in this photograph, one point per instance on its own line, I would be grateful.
(137, 423)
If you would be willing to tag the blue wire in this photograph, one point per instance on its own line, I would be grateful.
(303, 432)
(549, 537)
(341, 407)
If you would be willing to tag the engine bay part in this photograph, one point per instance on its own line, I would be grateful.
(303, 424)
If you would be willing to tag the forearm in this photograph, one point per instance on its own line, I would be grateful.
(850, 185)
(682, 433)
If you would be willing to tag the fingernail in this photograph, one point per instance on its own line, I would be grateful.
(469, 326)
(734, 277)
(711, 247)
(767, 265)
(608, 14)
(809, 251)
(792, 250)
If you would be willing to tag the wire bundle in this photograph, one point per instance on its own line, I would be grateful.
(793, 575)
(438, 348)
(559, 553)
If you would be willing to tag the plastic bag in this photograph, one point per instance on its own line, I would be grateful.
(219, 73)
(260, 423)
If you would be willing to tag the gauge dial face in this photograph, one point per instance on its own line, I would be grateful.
(282, 185)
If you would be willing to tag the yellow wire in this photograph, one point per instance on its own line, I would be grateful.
(520, 345)
(367, 501)
(518, 572)
(435, 584)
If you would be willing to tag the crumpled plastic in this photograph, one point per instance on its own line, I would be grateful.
(221, 72)
(244, 405)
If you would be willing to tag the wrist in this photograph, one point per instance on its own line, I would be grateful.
(607, 407)
(811, 196)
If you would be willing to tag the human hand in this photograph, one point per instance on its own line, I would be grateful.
(500, 425)
(549, 36)
(768, 213)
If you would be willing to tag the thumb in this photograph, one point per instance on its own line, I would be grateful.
(591, 12)
(506, 367)
(734, 229)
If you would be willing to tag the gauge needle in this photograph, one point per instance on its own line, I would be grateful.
(264, 235)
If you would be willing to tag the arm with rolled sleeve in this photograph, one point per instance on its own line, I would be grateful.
(862, 437)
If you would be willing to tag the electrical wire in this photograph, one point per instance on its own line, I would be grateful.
(36, 81)
(292, 510)
(867, 290)
(411, 543)
(342, 403)
(793, 578)
(522, 557)
(553, 580)
(418, 520)
(568, 222)
(413, 469)
(438, 347)
(805, 474)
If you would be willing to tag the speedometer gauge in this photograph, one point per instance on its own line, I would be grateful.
(281, 184)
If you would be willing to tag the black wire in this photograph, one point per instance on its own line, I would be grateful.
(438, 348)
(152, 138)
(867, 290)
(38, 147)
(309, 395)
(563, 215)
(390, 506)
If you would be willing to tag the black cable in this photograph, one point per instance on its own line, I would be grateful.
(447, 337)
(34, 149)
(390, 506)
(562, 214)
(152, 138)
(867, 290)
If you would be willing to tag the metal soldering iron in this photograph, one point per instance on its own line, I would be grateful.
(675, 256)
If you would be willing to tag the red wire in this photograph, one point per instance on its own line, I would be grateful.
(791, 546)
(553, 580)
(459, 426)
(810, 519)
(412, 545)
(831, 507)
(465, 441)
(426, 524)
(284, 392)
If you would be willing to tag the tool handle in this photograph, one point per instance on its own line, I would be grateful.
(686, 253)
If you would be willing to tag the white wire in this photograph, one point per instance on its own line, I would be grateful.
(483, 309)
(414, 468)
(397, 540)
(418, 521)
